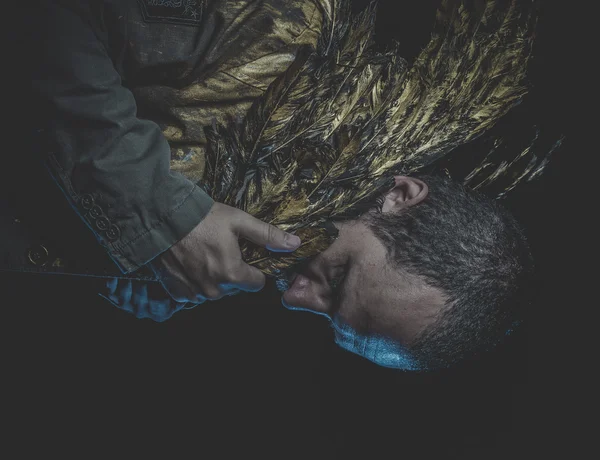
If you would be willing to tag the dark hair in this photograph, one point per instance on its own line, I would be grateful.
(473, 249)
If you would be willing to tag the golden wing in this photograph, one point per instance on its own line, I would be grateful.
(330, 132)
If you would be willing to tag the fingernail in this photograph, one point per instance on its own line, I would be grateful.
(292, 241)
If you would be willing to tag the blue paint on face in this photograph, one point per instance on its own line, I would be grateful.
(376, 348)
(282, 284)
(289, 307)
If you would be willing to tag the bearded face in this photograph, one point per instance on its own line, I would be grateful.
(376, 310)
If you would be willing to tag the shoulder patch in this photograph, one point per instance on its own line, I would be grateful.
(175, 11)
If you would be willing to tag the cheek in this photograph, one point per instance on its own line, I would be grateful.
(354, 302)
(364, 285)
(368, 297)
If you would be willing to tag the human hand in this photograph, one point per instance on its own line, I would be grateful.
(207, 263)
(142, 299)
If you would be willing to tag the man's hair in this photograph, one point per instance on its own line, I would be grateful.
(471, 248)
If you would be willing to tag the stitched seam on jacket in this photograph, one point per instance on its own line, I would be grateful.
(66, 179)
(117, 247)
(120, 246)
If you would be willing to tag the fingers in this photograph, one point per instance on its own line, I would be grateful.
(111, 285)
(266, 235)
(179, 290)
(199, 291)
(243, 278)
(152, 300)
(155, 303)
(247, 278)
(136, 298)
(121, 293)
(206, 265)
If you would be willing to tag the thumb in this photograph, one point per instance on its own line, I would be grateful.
(267, 235)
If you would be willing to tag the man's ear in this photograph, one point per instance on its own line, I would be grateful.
(407, 192)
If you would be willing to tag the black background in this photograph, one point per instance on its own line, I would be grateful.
(244, 377)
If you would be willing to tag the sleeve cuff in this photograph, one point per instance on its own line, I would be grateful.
(173, 227)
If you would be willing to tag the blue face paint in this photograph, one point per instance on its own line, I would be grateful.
(378, 349)
(289, 307)
(282, 284)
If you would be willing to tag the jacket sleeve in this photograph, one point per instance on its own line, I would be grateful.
(113, 167)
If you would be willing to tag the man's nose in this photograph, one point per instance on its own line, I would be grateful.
(311, 310)
(305, 295)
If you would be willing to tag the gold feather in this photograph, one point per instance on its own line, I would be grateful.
(328, 135)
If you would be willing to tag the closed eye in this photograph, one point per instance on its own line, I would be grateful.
(337, 286)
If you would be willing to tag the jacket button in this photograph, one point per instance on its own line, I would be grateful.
(113, 233)
(38, 255)
(95, 212)
(102, 223)
(87, 201)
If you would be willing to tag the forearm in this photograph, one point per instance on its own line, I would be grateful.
(112, 167)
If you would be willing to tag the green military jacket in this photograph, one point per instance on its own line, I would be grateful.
(128, 87)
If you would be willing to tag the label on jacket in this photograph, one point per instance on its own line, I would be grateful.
(175, 11)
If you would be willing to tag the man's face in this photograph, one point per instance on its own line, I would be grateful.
(375, 310)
